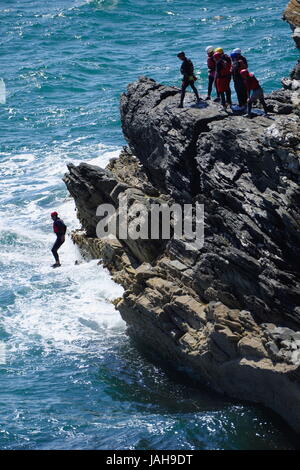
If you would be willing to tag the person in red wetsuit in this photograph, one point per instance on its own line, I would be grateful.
(211, 65)
(223, 77)
(225, 57)
(254, 90)
(59, 228)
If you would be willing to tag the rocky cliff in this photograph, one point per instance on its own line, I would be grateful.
(228, 312)
(292, 16)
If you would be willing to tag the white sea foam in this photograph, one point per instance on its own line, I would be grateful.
(66, 308)
(2, 91)
(104, 159)
(23, 159)
(99, 4)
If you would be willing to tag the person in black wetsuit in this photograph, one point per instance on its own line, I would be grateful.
(59, 228)
(187, 70)
(239, 63)
(240, 56)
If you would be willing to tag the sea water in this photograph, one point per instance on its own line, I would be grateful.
(70, 377)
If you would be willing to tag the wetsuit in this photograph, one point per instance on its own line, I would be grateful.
(223, 77)
(243, 58)
(211, 65)
(59, 228)
(226, 58)
(252, 85)
(239, 85)
(187, 70)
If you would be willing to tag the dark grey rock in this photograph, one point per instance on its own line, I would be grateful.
(273, 349)
(295, 75)
(90, 186)
(247, 174)
(162, 136)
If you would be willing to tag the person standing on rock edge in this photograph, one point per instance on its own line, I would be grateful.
(252, 85)
(238, 64)
(211, 65)
(223, 77)
(59, 228)
(187, 70)
(238, 51)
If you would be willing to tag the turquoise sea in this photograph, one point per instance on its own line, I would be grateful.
(72, 379)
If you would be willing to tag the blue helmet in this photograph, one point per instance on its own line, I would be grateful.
(234, 55)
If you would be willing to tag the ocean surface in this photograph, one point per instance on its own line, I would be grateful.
(70, 377)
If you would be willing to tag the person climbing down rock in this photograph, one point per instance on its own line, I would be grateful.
(223, 77)
(211, 65)
(59, 228)
(252, 85)
(187, 70)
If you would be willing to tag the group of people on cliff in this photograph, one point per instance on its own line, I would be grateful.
(221, 69)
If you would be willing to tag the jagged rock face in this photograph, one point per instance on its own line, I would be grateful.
(228, 312)
(292, 16)
(295, 75)
(164, 137)
(247, 173)
(249, 183)
(91, 187)
(292, 13)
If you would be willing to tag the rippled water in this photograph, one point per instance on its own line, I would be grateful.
(73, 380)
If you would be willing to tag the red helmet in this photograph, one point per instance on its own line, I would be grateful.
(245, 73)
(217, 56)
(54, 214)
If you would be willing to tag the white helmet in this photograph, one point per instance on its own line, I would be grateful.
(209, 49)
(237, 51)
